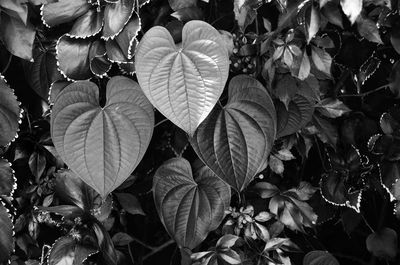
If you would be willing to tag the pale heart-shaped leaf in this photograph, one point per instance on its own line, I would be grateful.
(383, 243)
(68, 251)
(319, 257)
(6, 234)
(62, 11)
(235, 141)
(116, 16)
(9, 113)
(7, 179)
(189, 207)
(102, 145)
(73, 57)
(183, 83)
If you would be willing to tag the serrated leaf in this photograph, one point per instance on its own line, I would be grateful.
(17, 37)
(102, 145)
(127, 38)
(390, 175)
(319, 257)
(7, 179)
(352, 9)
(9, 113)
(73, 57)
(43, 71)
(368, 68)
(6, 234)
(87, 25)
(299, 113)
(56, 13)
(67, 251)
(184, 83)
(116, 16)
(98, 61)
(234, 141)
(335, 191)
(189, 207)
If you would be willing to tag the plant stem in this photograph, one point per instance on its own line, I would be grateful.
(160, 122)
(365, 93)
(367, 224)
(130, 253)
(7, 65)
(158, 249)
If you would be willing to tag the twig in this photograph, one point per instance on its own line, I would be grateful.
(365, 93)
(143, 243)
(158, 249)
(130, 253)
(160, 122)
(367, 224)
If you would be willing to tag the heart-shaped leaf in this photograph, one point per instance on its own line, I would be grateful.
(298, 114)
(6, 234)
(235, 141)
(7, 179)
(189, 207)
(9, 113)
(319, 257)
(102, 145)
(383, 243)
(73, 57)
(184, 83)
(68, 251)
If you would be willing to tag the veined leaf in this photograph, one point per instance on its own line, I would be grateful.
(183, 83)
(9, 113)
(6, 234)
(189, 206)
(235, 141)
(102, 145)
(116, 16)
(319, 257)
(63, 11)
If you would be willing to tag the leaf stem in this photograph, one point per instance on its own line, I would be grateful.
(130, 253)
(367, 224)
(158, 249)
(8, 64)
(365, 93)
(160, 122)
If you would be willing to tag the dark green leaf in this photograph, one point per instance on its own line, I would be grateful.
(9, 113)
(67, 251)
(37, 164)
(116, 16)
(179, 4)
(130, 203)
(188, 13)
(99, 63)
(7, 179)
(322, 60)
(63, 11)
(369, 30)
(6, 234)
(121, 239)
(189, 207)
(383, 243)
(332, 108)
(319, 257)
(87, 25)
(234, 141)
(285, 89)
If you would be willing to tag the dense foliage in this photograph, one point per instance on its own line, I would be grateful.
(203, 132)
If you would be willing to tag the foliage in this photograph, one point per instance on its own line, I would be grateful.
(199, 132)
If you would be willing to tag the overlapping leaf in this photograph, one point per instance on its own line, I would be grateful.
(319, 257)
(102, 145)
(189, 206)
(235, 141)
(67, 250)
(183, 83)
(9, 113)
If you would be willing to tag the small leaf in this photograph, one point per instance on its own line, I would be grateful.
(322, 60)
(184, 83)
(312, 22)
(130, 203)
(352, 9)
(121, 239)
(276, 165)
(244, 13)
(369, 30)
(227, 241)
(116, 16)
(37, 164)
(98, 61)
(266, 190)
(230, 256)
(102, 145)
(9, 113)
(326, 131)
(87, 25)
(332, 108)
(189, 207)
(17, 37)
(188, 13)
(319, 257)
(383, 243)
(275, 243)
(333, 13)
(68, 251)
(285, 89)
(305, 67)
(235, 141)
